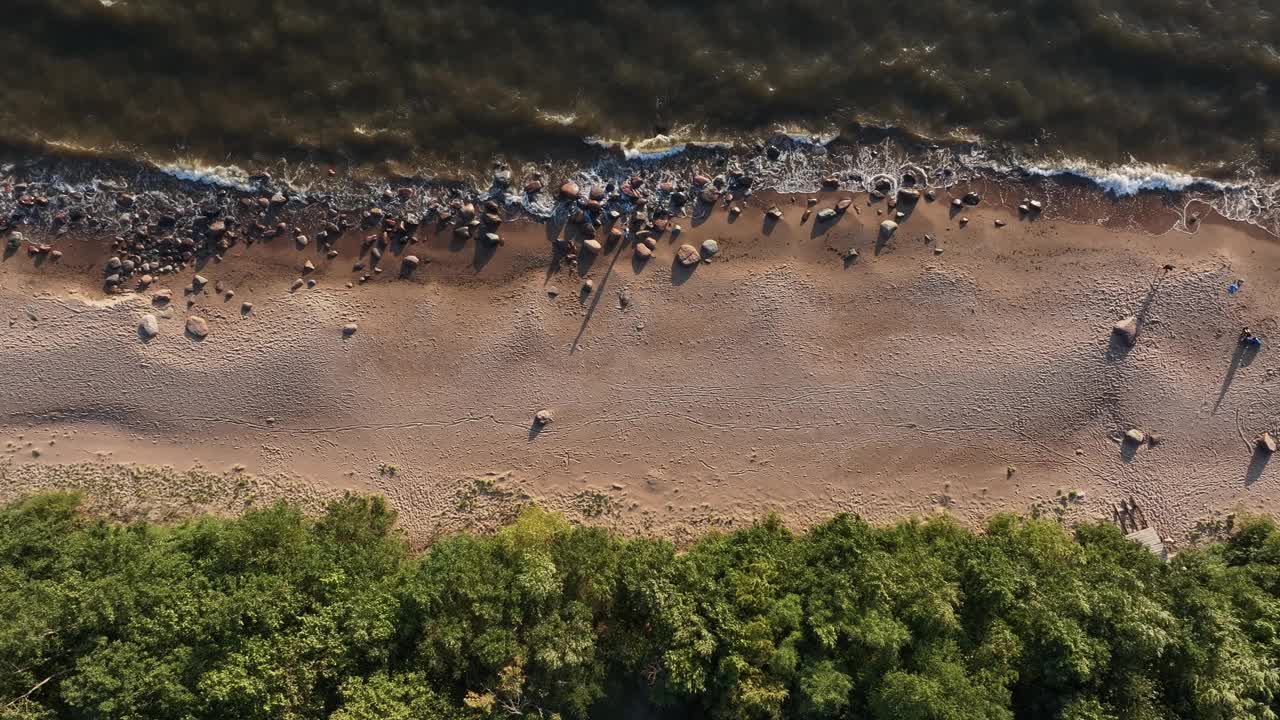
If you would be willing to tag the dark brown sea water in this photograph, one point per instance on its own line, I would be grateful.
(1190, 83)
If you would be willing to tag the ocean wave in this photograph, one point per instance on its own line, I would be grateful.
(1127, 180)
(661, 146)
(789, 161)
(231, 177)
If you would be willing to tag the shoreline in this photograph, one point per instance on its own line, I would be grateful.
(775, 377)
(87, 184)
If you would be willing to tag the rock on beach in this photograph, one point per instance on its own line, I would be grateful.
(197, 327)
(149, 326)
(1127, 330)
(688, 255)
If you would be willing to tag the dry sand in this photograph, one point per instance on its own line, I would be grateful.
(775, 378)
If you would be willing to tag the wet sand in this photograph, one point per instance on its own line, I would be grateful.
(777, 377)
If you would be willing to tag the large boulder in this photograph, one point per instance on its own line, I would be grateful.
(887, 229)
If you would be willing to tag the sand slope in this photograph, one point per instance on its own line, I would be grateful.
(774, 378)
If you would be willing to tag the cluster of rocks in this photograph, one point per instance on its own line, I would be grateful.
(163, 225)
(14, 240)
(1030, 207)
(970, 199)
(160, 242)
(639, 211)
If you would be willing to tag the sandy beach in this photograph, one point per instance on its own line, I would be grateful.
(966, 368)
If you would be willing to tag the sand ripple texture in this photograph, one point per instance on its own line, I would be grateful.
(774, 378)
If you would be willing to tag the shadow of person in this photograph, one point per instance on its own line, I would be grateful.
(1257, 464)
(599, 293)
(1242, 356)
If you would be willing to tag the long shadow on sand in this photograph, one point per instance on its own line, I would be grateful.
(1243, 355)
(599, 293)
(1118, 349)
(1257, 464)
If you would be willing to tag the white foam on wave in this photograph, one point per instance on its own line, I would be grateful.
(1251, 198)
(1127, 180)
(661, 146)
(562, 119)
(231, 177)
